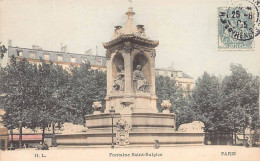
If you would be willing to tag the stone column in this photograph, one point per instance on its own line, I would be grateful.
(109, 79)
(128, 74)
(109, 75)
(152, 72)
(152, 89)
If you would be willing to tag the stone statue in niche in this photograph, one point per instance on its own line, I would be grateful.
(139, 80)
(120, 79)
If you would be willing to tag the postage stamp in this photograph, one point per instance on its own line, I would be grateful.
(235, 28)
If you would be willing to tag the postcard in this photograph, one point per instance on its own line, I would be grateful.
(129, 80)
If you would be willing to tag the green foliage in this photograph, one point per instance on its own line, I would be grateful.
(166, 89)
(44, 94)
(225, 105)
(85, 87)
(240, 94)
(39, 95)
(206, 102)
(17, 88)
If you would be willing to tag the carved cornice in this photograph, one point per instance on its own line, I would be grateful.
(108, 54)
(127, 47)
(133, 39)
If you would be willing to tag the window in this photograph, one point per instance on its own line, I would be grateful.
(180, 85)
(20, 53)
(172, 75)
(165, 73)
(188, 87)
(60, 58)
(73, 59)
(84, 60)
(46, 57)
(98, 61)
(32, 55)
(179, 74)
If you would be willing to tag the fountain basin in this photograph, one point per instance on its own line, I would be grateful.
(145, 129)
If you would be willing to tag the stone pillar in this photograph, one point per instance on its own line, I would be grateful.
(152, 69)
(152, 89)
(109, 79)
(128, 74)
(109, 76)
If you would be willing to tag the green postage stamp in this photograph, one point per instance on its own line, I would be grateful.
(235, 28)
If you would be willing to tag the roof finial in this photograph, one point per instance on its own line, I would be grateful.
(130, 13)
(130, 3)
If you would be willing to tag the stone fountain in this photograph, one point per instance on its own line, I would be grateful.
(131, 92)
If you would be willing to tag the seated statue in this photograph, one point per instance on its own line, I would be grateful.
(120, 80)
(139, 80)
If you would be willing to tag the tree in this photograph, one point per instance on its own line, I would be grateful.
(225, 105)
(166, 89)
(60, 80)
(2, 50)
(240, 91)
(30, 94)
(50, 80)
(16, 87)
(206, 102)
(85, 86)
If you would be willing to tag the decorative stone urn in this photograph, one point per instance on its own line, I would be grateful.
(166, 104)
(97, 106)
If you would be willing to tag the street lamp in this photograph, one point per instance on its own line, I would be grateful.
(112, 113)
(176, 114)
(11, 131)
(250, 137)
(20, 134)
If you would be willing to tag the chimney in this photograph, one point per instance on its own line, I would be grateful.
(36, 47)
(64, 49)
(118, 30)
(96, 50)
(89, 52)
(10, 43)
(140, 28)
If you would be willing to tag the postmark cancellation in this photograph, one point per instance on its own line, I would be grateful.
(235, 28)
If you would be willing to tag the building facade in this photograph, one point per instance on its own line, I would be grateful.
(66, 59)
(62, 58)
(182, 79)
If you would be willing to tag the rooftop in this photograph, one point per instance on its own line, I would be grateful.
(130, 32)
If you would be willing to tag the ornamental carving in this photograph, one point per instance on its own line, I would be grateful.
(127, 47)
(153, 54)
(108, 54)
(141, 51)
(122, 133)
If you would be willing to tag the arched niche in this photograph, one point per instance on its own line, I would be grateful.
(140, 59)
(117, 60)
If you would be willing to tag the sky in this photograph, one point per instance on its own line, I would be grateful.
(186, 29)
